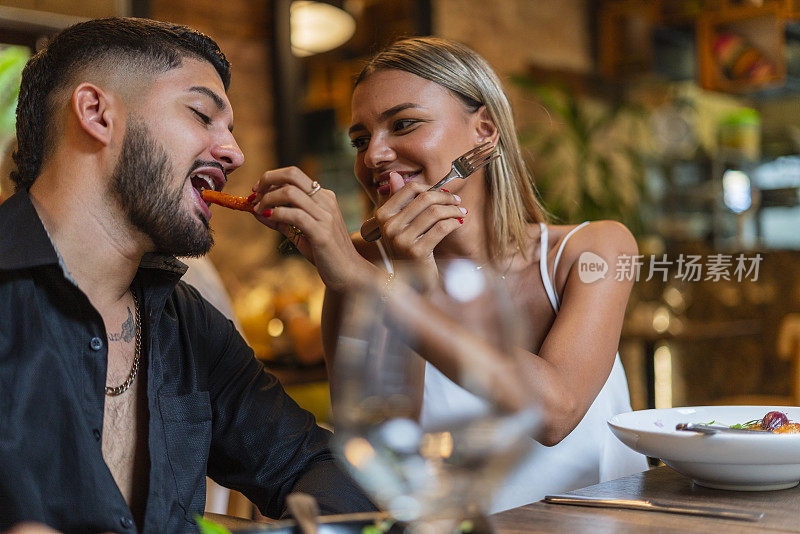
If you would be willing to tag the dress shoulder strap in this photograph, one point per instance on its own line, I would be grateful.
(549, 285)
(385, 257)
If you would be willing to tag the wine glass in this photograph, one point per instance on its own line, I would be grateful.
(430, 466)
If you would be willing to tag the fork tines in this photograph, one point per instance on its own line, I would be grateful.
(477, 158)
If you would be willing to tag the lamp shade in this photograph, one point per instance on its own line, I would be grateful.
(318, 27)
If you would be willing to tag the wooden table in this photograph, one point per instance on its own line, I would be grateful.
(781, 509)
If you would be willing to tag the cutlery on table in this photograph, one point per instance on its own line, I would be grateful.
(655, 506)
(716, 429)
(463, 166)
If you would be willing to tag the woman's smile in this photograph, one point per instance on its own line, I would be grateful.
(406, 124)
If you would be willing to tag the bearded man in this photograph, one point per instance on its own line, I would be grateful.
(120, 386)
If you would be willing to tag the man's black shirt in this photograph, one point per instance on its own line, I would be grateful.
(211, 406)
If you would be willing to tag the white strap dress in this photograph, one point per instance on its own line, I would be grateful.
(588, 455)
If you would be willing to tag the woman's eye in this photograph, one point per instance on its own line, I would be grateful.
(404, 124)
(203, 117)
(359, 143)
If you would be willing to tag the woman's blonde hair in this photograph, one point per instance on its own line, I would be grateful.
(454, 66)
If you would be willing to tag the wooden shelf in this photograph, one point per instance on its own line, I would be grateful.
(762, 28)
(625, 30)
(791, 10)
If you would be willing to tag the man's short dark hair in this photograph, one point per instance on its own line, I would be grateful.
(146, 45)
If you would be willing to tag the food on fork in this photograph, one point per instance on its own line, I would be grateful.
(228, 201)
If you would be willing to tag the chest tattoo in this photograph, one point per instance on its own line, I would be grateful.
(128, 330)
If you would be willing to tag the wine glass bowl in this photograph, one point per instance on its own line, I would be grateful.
(428, 465)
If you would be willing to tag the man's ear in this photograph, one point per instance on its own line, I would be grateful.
(95, 111)
(485, 129)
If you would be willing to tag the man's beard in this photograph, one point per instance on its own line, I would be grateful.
(140, 182)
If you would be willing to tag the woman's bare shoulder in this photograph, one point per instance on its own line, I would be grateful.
(606, 236)
(609, 240)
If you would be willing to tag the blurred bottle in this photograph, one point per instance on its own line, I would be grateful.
(740, 134)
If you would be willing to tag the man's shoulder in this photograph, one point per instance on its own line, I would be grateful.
(23, 239)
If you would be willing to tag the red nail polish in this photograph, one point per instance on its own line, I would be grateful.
(459, 219)
(466, 211)
(266, 213)
(445, 190)
(251, 198)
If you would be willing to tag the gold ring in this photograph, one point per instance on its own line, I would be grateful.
(315, 187)
(296, 232)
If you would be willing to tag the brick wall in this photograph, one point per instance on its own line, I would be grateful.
(242, 31)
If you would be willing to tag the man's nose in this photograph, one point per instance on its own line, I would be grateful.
(228, 154)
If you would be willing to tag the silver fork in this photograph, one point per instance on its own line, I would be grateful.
(462, 166)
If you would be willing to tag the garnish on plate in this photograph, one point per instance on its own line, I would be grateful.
(774, 421)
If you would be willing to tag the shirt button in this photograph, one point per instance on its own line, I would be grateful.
(126, 522)
(97, 434)
(96, 343)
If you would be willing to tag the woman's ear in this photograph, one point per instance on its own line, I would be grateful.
(485, 129)
(95, 111)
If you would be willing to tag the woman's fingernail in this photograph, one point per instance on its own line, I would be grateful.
(445, 190)
(251, 198)
(266, 213)
(460, 220)
(457, 197)
(463, 210)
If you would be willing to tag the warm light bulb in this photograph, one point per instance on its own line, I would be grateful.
(318, 27)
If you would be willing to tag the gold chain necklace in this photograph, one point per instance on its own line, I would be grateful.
(122, 388)
(504, 273)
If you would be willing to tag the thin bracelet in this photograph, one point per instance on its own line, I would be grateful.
(387, 288)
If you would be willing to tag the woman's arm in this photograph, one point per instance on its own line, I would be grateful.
(577, 354)
(313, 221)
(575, 357)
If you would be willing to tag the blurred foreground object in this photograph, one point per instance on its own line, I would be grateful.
(433, 474)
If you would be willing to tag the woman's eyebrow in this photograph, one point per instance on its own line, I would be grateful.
(386, 114)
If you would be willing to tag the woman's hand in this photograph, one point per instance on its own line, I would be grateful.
(290, 202)
(415, 220)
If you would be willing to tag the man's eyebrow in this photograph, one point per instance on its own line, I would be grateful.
(210, 94)
(386, 114)
(221, 106)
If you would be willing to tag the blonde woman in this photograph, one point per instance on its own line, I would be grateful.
(417, 106)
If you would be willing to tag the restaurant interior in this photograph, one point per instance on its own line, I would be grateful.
(680, 118)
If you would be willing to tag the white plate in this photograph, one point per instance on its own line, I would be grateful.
(749, 462)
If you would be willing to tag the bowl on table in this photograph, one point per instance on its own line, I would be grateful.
(743, 461)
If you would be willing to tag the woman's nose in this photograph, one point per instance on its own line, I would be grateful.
(378, 153)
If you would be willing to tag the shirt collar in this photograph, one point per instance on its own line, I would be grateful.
(24, 242)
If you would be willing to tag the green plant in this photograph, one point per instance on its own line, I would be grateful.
(12, 61)
(588, 163)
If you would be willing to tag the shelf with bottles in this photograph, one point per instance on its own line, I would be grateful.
(741, 47)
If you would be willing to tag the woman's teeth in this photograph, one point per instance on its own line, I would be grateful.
(406, 179)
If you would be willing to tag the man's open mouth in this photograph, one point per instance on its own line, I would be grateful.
(202, 182)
